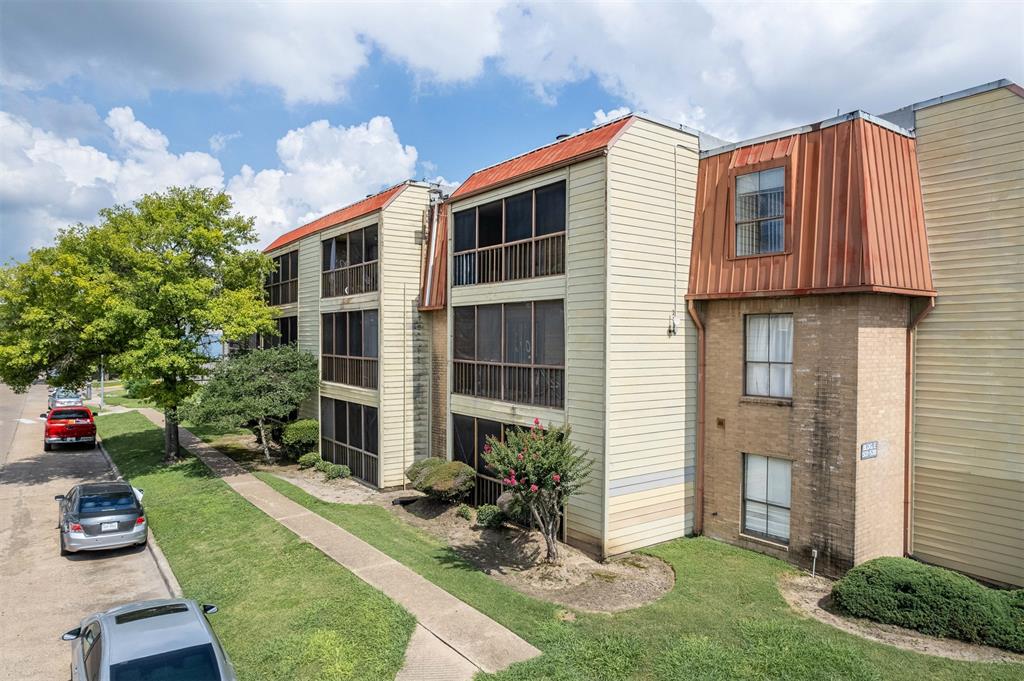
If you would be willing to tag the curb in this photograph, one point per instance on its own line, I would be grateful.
(162, 566)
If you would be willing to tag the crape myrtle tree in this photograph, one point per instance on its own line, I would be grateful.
(255, 386)
(541, 468)
(143, 290)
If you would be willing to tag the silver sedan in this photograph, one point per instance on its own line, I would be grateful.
(162, 639)
(101, 515)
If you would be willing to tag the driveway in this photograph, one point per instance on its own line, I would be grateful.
(42, 595)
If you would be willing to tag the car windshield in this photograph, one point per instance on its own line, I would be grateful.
(70, 414)
(106, 503)
(196, 663)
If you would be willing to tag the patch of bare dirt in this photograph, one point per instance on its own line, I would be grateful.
(338, 491)
(811, 596)
(512, 556)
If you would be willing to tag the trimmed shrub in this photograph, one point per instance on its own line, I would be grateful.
(489, 516)
(336, 470)
(321, 465)
(417, 472)
(309, 460)
(934, 601)
(299, 437)
(464, 512)
(450, 481)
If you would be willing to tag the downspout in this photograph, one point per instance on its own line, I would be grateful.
(698, 512)
(908, 412)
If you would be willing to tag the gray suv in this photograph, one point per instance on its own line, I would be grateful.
(163, 640)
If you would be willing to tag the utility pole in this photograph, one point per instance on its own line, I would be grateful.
(102, 392)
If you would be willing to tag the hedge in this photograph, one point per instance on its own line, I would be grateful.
(444, 480)
(309, 460)
(299, 437)
(934, 601)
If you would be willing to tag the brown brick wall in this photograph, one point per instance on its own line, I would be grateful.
(817, 430)
(438, 325)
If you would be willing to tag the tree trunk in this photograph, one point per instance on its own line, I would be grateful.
(547, 523)
(170, 435)
(263, 440)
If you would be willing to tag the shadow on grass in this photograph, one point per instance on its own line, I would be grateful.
(139, 451)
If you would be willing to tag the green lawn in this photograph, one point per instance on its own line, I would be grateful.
(723, 620)
(287, 611)
(119, 398)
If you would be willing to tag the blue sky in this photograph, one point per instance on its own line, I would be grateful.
(318, 105)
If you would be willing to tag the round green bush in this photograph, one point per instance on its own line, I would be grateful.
(934, 601)
(321, 465)
(464, 512)
(309, 460)
(489, 516)
(300, 436)
(450, 481)
(336, 470)
(417, 472)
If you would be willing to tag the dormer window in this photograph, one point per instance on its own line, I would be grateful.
(760, 212)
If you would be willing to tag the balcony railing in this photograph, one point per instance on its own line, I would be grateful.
(362, 464)
(357, 371)
(541, 386)
(539, 257)
(348, 281)
(283, 293)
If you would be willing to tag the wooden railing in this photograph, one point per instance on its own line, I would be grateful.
(348, 281)
(362, 464)
(542, 386)
(283, 293)
(539, 257)
(357, 371)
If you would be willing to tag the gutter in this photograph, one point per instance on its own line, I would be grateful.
(908, 412)
(698, 511)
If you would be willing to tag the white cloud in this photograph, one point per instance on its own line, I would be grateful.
(601, 117)
(48, 181)
(323, 168)
(732, 68)
(219, 141)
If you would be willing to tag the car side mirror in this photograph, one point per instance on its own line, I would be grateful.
(58, 497)
(72, 635)
(42, 416)
(209, 608)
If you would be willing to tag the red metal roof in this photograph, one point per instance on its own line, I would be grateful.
(434, 278)
(854, 220)
(552, 156)
(350, 212)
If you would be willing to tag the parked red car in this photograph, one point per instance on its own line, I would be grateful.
(69, 425)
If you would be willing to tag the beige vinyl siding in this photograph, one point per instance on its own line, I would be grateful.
(968, 494)
(404, 418)
(651, 379)
(582, 289)
(585, 302)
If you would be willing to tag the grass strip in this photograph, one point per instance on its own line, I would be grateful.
(287, 611)
(723, 620)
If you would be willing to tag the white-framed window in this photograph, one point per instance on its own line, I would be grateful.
(769, 355)
(766, 497)
(760, 212)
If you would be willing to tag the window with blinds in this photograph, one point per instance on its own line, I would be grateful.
(760, 212)
(766, 497)
(769, 355)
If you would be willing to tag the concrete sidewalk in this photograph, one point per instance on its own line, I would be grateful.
(452, 641)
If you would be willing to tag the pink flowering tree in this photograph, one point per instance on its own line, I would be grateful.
(541, 468)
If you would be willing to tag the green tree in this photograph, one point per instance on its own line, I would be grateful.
(255, 387)
(143, 289)
(541, 468)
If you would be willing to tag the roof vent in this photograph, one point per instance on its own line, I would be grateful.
(559, 138)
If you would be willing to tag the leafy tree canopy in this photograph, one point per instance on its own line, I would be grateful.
(143, 289)
(255, 387)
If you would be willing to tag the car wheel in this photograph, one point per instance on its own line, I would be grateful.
(63, 551)
(47, 446)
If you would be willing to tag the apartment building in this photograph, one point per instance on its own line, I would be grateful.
(562, 273)
(968, 416)
(807, 344)
(346, 289)
(809, 266)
